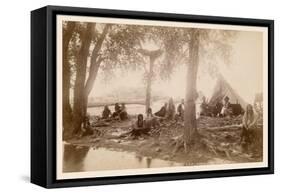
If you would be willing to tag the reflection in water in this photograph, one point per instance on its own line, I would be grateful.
(79, 159)
(73, 158)
(148, 162)
(139, 158)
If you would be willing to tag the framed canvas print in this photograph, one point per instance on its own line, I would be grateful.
(125, 96)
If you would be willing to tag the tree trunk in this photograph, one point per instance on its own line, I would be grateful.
(96, 61)
(190, 128)
(67, 111)
(94, 67)
(149, 82)
(79, 92)
(89, 85)
(153, 55)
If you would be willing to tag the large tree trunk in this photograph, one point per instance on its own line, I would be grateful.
(67, 111)
(79, 92)
(190, 128)
(148, 84)
(89, 85)
(94, 67)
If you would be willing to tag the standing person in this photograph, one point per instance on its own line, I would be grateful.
(171, 110)
(248, 124)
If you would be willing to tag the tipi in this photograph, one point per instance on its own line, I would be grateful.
(222, 88)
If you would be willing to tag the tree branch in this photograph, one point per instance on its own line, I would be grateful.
(96, 60)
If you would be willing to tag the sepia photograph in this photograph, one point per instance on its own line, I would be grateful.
(149, 97)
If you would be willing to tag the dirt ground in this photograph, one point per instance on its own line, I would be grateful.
(219, 141)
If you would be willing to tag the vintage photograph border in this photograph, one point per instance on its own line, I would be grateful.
(43, 164)
(159, 170)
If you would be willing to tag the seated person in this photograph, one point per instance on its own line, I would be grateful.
(86, 121)
(106, 113)
(203, 107)
(123, 115)
(249, 122)
(117, 110)
(226, 110)
(139, 127)
(140, 123)
(217, 109)
(180, 110)
(87, 129)
(162, 111)
(170, 115)
(150, 120)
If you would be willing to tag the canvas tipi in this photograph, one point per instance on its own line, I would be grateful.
(222, 89)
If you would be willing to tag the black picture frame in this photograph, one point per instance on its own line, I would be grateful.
(43, 96)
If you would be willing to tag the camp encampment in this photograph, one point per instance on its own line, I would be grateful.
(222, 90)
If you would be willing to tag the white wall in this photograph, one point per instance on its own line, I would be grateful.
(15, 94)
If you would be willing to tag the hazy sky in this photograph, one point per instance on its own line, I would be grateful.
(244, 73)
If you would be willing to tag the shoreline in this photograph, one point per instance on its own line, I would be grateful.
(218, 145)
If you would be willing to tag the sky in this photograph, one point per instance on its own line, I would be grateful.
(244, 73)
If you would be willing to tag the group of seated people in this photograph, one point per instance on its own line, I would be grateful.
(169, 112)
(144, 124)
(249, 119)
(152, 121)
(221, 109)
(120, 112)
